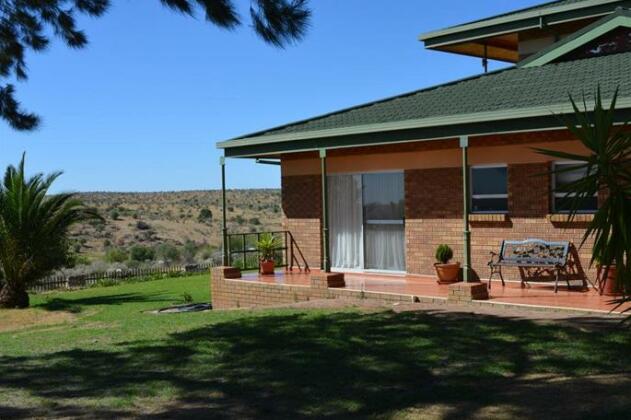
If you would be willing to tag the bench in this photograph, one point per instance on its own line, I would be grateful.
(531, 253)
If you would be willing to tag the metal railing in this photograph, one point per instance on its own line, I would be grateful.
(244, 254)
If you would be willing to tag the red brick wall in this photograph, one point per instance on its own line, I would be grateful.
(302, 209)
(434, 216)
(229, 292)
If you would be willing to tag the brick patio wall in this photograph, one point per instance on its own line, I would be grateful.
(229, 292)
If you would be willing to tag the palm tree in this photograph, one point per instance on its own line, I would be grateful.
(608, 169)
(33, 232)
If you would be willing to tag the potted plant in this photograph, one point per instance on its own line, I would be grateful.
(606, 278)
(447, 272)
(267, 245)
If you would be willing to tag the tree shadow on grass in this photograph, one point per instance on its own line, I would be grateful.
(75, 305)
(294, 365)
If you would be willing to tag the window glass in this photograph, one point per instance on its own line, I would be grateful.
(489, 181)
(489, 189)
(562, 201)
(383, 196)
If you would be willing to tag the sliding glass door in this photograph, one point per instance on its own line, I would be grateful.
(366, 217)
(384, 238)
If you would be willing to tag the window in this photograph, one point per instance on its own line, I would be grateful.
(489, 189)
(562, 200)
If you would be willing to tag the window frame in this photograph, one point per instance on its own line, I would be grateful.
(555, 195)
(483, 196)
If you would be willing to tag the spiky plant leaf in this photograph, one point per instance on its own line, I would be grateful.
(608, 169)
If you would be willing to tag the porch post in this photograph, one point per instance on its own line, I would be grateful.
(326, 262)
(466, 270)
(224, 226)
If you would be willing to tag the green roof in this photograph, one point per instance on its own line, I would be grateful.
(533, 17)
(513, 88)
(537, 8)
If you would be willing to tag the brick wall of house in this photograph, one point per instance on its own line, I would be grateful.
(434, 203)
(302, 207)
(434, 216)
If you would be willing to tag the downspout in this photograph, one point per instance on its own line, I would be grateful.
(326, 262)
(466, 270)
(225, 261)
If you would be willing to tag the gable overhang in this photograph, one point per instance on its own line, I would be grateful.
(463, 38)
(620, 19)
(427, 129)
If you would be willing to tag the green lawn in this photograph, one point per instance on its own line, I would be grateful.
(107, 357)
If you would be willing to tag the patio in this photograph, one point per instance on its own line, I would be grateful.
(421, 288)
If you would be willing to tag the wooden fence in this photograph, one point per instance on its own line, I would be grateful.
(86, 280)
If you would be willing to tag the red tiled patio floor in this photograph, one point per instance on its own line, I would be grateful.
(534, 294)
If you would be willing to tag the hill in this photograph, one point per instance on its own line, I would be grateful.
(172, 220)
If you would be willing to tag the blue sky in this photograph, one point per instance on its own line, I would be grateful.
(140, 108)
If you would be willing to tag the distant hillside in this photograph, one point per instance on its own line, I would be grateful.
(174, 218)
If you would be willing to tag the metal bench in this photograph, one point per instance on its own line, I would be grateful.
(531, 253)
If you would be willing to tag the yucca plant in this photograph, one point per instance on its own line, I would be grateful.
(267, 246)
(608, 169)
(33, 232)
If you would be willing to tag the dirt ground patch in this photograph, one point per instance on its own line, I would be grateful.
(17, 319)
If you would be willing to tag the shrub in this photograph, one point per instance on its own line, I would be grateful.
(116, 255)
(114, 215)
(141, 253)
(140, 225)
(207, 252)
(189, 250)
(205, 215)
(168, 252)
(444, 253)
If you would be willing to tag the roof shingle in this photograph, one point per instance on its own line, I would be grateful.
(510, 89)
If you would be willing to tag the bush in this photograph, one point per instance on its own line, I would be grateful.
(114, 215)
(168, 252)
(444, 254)
(206, 253)
(141, 253)
(140, 225)
(205, 215)
(116, 255)
(189, 251)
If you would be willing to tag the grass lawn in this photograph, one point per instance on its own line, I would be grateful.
(96, 352)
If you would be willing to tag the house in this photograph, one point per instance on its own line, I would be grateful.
(376, 187)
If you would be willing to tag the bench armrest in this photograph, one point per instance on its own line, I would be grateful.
(495, 258)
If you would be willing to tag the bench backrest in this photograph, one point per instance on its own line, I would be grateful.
(535, 251)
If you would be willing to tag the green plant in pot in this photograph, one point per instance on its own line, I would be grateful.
(267, 246)
(446, 271)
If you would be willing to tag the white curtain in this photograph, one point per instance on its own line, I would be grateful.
(385, 247)
(385, 233)
(345, 221)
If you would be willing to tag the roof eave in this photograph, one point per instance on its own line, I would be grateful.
(430, 124)
(518, 22)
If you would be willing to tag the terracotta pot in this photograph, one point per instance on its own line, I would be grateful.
(608, 285)
(267, 266)
(447, 273)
